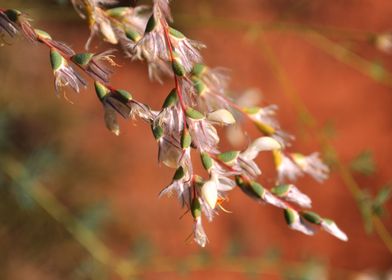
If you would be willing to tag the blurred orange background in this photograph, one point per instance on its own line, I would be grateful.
(314, 59)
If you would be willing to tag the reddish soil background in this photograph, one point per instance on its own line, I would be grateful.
(333, 92)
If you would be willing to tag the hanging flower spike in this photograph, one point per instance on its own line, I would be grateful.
(64, 74)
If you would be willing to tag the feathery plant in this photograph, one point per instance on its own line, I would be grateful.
(185, 127)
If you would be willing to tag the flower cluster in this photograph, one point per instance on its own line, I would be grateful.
(189, 116)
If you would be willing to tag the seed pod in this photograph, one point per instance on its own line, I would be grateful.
(312, 217)
(194, 114)
(171, 99)
(157, 131)
(118, 12)
(178, 68)
(199, 69)
(82, 59)
(186, 139)
(132, 35)
(42, 34)
(122, 95)
(150, 24)
(196, 208)
(176, 34)
(101, 90)
(228, 157)
(56, 59)
(199, 86)
(207, 161)
(179, 174)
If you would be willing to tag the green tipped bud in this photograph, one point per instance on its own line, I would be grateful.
(196, 208)
(240, 182)
(312, 217)
(151, 24)
(82, 59)
(101, 90)
(198, 181)
(123, 95)
(179, 174)
(199, 69)
(199, 86)
(56, 60)
(42, 34)
(228, 157)
(171, 99)
(281, 190)
(207, 161)
(178, 68)
(175, 33)
(290, 216)
(157, 131)
(257, 189)
(118, 12)
(194, 114)
(132, 35)
(13, 14)
(186, 139)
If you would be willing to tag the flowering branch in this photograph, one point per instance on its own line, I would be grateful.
(189, 114)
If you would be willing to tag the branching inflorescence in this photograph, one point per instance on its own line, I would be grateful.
(189, 115)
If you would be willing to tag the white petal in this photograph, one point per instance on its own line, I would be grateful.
(221, 116)
(259, 145)
(209, 193)
(331, 227)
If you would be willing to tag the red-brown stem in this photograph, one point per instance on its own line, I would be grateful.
(176, 80)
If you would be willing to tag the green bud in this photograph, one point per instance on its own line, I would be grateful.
(178, 69)
(186, 139)
(257, 189)
(196, 208)
(132, 35)
(157, 131)
(194, 114)
(123, 95)
(240, 182)
(198, 69)
(118, 12)
(175, 33)
(280, 190)
(199, 85)
(56, 60)
(171, 99)
(198, 181)
(42, 34)
(179, 174)
(101, 90)
(151, 24)
(13, 14)
(207, 161)
(82, 58)
(228, 157)
(290, 216)
(312, 217)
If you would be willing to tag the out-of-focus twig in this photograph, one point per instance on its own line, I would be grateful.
(95, 247)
